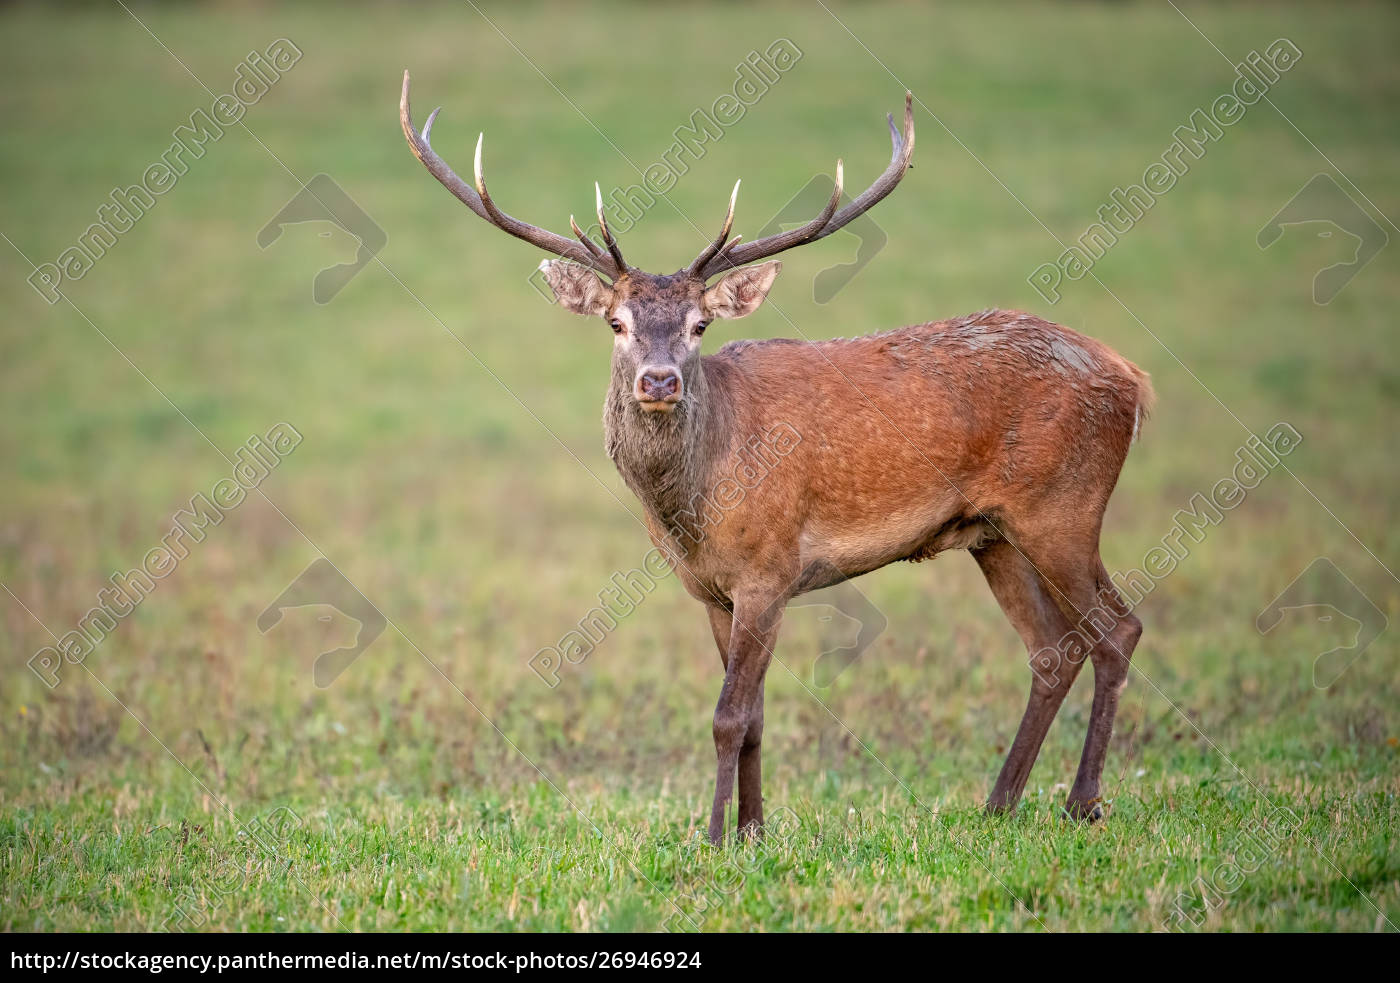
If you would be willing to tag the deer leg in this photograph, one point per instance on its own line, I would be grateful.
(1040, 623)
(750, 753)
(722, 627)
(751, 770)
(1111, 658)
(1074, 575)
(738, 721)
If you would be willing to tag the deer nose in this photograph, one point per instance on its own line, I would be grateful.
(659, 384)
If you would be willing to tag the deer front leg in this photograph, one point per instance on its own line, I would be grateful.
(750, 751)
(751, 770)
(738, 722)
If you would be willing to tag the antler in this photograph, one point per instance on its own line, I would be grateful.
(585, 251)
(718, 257)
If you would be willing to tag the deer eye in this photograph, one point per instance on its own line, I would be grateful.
(700, 327)
(616, 325)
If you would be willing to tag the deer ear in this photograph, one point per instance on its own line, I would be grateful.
(740, 292)
(577, 288)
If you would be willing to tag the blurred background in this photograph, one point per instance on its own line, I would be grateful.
(451, 464)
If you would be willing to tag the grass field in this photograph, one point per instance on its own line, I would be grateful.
(189, 773)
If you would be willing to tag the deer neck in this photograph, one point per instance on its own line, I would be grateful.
(666, 458)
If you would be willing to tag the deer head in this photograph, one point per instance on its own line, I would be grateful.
(657, 321)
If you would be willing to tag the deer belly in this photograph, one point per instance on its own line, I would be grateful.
(872, 541)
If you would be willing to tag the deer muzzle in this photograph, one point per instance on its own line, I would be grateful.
(659, 388)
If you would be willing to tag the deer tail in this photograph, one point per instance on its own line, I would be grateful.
(1146, 399)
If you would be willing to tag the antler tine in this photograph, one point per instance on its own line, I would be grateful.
(782, 240)
(608, 239)
(479, 201)
(714, 247)
(494, 213)
(436, 166)
(592, 246)
(826, 223)
(901, 160)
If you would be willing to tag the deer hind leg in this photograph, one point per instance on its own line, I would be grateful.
(1097, 626)
(1111, 659)
(1041, 624)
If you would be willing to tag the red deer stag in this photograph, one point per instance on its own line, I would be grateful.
(998, 433)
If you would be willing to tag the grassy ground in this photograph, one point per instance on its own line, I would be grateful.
(189, 772)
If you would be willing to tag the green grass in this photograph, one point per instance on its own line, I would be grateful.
(438, 783)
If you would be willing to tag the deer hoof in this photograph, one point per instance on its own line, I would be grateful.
(1089, 811)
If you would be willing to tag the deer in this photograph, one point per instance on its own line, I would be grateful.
(998, 433)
